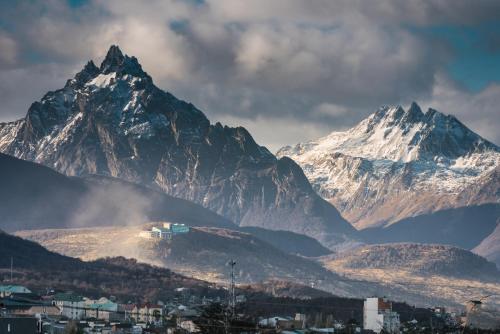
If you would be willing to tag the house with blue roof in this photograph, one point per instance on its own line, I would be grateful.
(7, 290)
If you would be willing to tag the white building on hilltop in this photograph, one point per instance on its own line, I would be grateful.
(378, 316)
(166, 231)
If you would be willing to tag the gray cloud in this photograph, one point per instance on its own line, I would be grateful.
(304, 67)
(479, 111)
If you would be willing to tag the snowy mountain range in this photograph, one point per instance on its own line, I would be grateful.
(112, 120)
(400, 163)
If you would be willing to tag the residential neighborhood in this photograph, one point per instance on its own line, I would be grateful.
(25, 312)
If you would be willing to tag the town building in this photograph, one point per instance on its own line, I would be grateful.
(281, 323)
(38, 310)
(28, 304)
(72, 306)
(301, 318)
(165, 232)
(315, 330)
(148, 313)
(127, 310)
(18, 325)
(189, 326)
(103, 309)
(378, 316)
(7, 290)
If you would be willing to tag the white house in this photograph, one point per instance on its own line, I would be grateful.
(72, 306)
(166, 231)
(378, 315)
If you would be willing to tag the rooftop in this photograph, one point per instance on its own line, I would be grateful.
(68, 297)
(14, 289)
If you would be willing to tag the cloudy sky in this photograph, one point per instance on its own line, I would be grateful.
(287, 70)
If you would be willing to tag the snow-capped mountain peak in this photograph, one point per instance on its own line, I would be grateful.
(368, 170)
(115, 67)
(395, 116)
(113, 120)
(115, 61)
(395, 134)
(114, 58)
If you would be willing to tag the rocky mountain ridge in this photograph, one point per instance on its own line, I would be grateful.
(421, 259)
(37, 197)
(202, 253)
(400, 163)
(112, 120)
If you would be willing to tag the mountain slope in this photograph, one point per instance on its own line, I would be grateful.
(400, 163)
(37, 197)
(289, 242)
(490, 247)
(441, 273)
(203, 253)
(34, 197)
(417, 258)
(114, 121)
(463, 227)
(39, 268)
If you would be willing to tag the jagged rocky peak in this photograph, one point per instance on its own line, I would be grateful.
(115, 61)
(112, 120)
(398, 134)
(414, 113)
(388, 116)
(114, 58)
(89, 71)
(395, 151)
(115, 66)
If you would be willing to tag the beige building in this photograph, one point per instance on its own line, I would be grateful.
(148, 313)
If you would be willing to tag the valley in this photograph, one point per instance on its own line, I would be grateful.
(425, 275)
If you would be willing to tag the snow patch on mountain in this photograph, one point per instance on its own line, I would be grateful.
(371, 171)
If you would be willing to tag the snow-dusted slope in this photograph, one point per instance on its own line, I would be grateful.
(112, 120)
(399, 163)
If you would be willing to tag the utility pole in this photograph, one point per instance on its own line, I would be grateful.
(231, 303)
(11, 267)
(390, 319)
(232, 290)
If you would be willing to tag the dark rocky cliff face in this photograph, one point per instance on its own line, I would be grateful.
(114, 121)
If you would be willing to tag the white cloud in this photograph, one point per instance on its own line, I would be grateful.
(329, 109)
(321, 63)
(479, 111)
(9, 51)
(275, 133)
